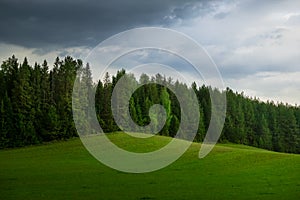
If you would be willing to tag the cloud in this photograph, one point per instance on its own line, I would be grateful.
(53, 23)
(276, 86)
(250, 38)
(246, 39)
(34, 55)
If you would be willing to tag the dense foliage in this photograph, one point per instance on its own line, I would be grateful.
(36, 106)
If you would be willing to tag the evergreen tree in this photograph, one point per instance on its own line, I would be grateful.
(36, 106)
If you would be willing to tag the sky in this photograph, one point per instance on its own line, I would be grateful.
(255, 44)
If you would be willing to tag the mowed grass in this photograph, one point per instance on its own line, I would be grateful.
(65, 170)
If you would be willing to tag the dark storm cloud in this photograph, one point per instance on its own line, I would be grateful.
(48, 23)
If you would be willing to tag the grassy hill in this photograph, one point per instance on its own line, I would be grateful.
(65, 170)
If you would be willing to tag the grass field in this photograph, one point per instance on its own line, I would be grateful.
(65, 170)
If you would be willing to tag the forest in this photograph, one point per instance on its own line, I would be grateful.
(36, 107)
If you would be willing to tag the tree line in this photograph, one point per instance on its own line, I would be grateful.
(36, 106)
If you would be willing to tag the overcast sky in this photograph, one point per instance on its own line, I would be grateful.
(255, 44)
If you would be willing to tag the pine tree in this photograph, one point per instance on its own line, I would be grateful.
(249, 122)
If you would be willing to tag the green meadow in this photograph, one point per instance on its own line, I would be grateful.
(66, 170)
